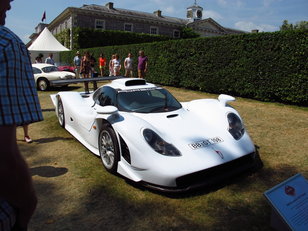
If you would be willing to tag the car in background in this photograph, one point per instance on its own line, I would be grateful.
(66, 67)
(44, 73)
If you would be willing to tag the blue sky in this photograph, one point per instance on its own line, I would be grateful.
(265, 15)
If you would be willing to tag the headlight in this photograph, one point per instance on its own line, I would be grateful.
(236, 127)
(159, 145)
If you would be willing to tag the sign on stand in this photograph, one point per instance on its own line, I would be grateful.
(289, 201)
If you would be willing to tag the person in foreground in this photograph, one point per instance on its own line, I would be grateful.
(19, 105)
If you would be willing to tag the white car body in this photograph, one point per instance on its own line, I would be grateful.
(43, 77)
(198, 130)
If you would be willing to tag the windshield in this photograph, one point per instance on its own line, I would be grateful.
(147, 100)
(50, 69)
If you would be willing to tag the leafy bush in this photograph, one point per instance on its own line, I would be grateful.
(263, 66)
(87, 38)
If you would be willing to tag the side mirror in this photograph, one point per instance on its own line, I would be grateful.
(224, 99)
(109, 110)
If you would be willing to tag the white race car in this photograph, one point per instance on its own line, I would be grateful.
(143, 133)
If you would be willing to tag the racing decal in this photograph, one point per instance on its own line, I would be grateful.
(205, 143)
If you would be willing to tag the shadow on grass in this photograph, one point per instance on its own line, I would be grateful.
(104, 206)
(46, 140)
(48, 109)
(51, 139)
(48, 171)
(64, 88)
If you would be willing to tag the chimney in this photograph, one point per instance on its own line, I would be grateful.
(109, 5)
(157, 13)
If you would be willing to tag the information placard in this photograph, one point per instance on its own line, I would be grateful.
(290, 200)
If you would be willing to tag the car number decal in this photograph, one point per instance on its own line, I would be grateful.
(205, 143)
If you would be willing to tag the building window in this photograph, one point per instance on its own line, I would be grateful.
(176, 34)
(128, 27)
(99, 24)
(153, 30)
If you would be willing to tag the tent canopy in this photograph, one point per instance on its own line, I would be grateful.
(46, 42)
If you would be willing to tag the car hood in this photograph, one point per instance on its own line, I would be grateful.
(180, 123)
(186, 130)
(61, 73)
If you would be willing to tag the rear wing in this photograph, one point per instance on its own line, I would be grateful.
(93, 80)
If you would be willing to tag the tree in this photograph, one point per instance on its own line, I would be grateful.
(286, 26)
(188, 32)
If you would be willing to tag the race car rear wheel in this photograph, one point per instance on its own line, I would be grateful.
(109, 148)
(60, 112)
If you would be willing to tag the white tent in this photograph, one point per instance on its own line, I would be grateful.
(46, 43)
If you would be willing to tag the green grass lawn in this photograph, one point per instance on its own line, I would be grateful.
(76, 193)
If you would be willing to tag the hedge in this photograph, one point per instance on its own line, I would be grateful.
(263, 66)
(87, 37)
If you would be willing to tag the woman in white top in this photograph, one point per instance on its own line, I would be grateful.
(128, 65)
(111, 66)
(116, 64)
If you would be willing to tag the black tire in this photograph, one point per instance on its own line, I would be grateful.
(109, 148)
(42, 84)
(60, 112)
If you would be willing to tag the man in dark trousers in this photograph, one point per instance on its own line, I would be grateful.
(19, 105)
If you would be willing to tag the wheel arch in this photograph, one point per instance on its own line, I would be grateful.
(124, 150)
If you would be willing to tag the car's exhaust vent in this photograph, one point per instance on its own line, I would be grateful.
(135, 82)
(172, 116)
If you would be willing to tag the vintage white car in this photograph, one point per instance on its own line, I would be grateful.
(45, 73)
(143, 133)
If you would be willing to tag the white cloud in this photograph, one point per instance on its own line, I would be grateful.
(237, 3)
(248, 26)
(212, 14)
(169, 10)
(222, 2)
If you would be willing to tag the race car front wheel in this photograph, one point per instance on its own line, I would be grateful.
(109, 149)
(60, 112)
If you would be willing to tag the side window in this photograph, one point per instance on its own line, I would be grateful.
(36, 70)
(105, 96)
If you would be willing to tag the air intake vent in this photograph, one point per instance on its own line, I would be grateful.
(135, 82)
(171, 116)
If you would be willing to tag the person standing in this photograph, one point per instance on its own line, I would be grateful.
(92, 64)
(26, 133)
(142, 64)
(128, 65)
(102, 64)
(86, 69)
(50, 60)
(110, 65)
(39, 58)
(19, 105)
(116, 65)
(77, 64)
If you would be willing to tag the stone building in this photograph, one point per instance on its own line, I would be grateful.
(107, 17)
